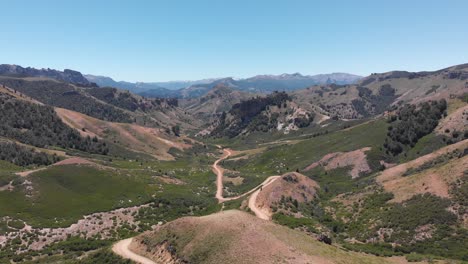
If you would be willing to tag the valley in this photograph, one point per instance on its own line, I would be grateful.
(373, 171)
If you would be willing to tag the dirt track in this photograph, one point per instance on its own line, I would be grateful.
(121, 248)
(262, 214)
(219, 181)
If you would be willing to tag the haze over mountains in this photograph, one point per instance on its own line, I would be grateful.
(259, 83)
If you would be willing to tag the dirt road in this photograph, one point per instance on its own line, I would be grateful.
(259, 212)
(121, 248)
(219, 179)
(220, 174)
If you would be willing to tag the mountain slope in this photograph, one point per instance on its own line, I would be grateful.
(377, 93)
(219, 99)
(108, 104)
(152, 141)
(273, 112)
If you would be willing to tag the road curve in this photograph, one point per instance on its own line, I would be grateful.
(219, 175)
(259, 212)
(255, 191)
(121, 248)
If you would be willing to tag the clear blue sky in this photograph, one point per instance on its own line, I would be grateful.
(173, 40)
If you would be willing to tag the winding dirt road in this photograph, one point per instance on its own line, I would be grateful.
(220, 174)
(219, 181)
(121, 248)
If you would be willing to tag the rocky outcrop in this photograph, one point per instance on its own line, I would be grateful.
(67, 75)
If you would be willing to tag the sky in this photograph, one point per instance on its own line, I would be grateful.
(189, 40)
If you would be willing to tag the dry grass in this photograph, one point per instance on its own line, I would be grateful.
(294, 185)
(434, 180)
(456, 121)
(356, 159)
(237, 237)
(134, 137)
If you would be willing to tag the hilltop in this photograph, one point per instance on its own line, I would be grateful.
(237, 237)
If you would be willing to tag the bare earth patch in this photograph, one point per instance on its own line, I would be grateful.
(435, 180)
(236, 181)
(137, 138)
(70, 161)
(357, 159)
(170, 180)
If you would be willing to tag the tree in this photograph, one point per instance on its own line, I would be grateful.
(176, 130)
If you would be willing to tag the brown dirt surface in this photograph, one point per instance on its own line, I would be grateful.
(170, 180)
(434, 180)
(357, 159)
(123, 248)
(294, 185)
(238, 237)
(74, 160)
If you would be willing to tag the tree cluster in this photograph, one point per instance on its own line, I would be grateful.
(412, 123)
(39, 125)
(24, 156)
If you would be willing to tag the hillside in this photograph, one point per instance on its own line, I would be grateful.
(274, 112)
(372, 96)
(377, 93)
(108, 104)
(211, 105)
(230, 234)
(152, 141)
(39, 126)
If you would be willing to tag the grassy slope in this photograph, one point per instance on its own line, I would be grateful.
(66, 193)
(283, 158)
(63, 194)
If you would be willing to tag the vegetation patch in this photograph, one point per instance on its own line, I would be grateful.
(412, 123)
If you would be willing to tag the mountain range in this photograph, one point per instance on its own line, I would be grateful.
(256, 84)
(67, 75)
